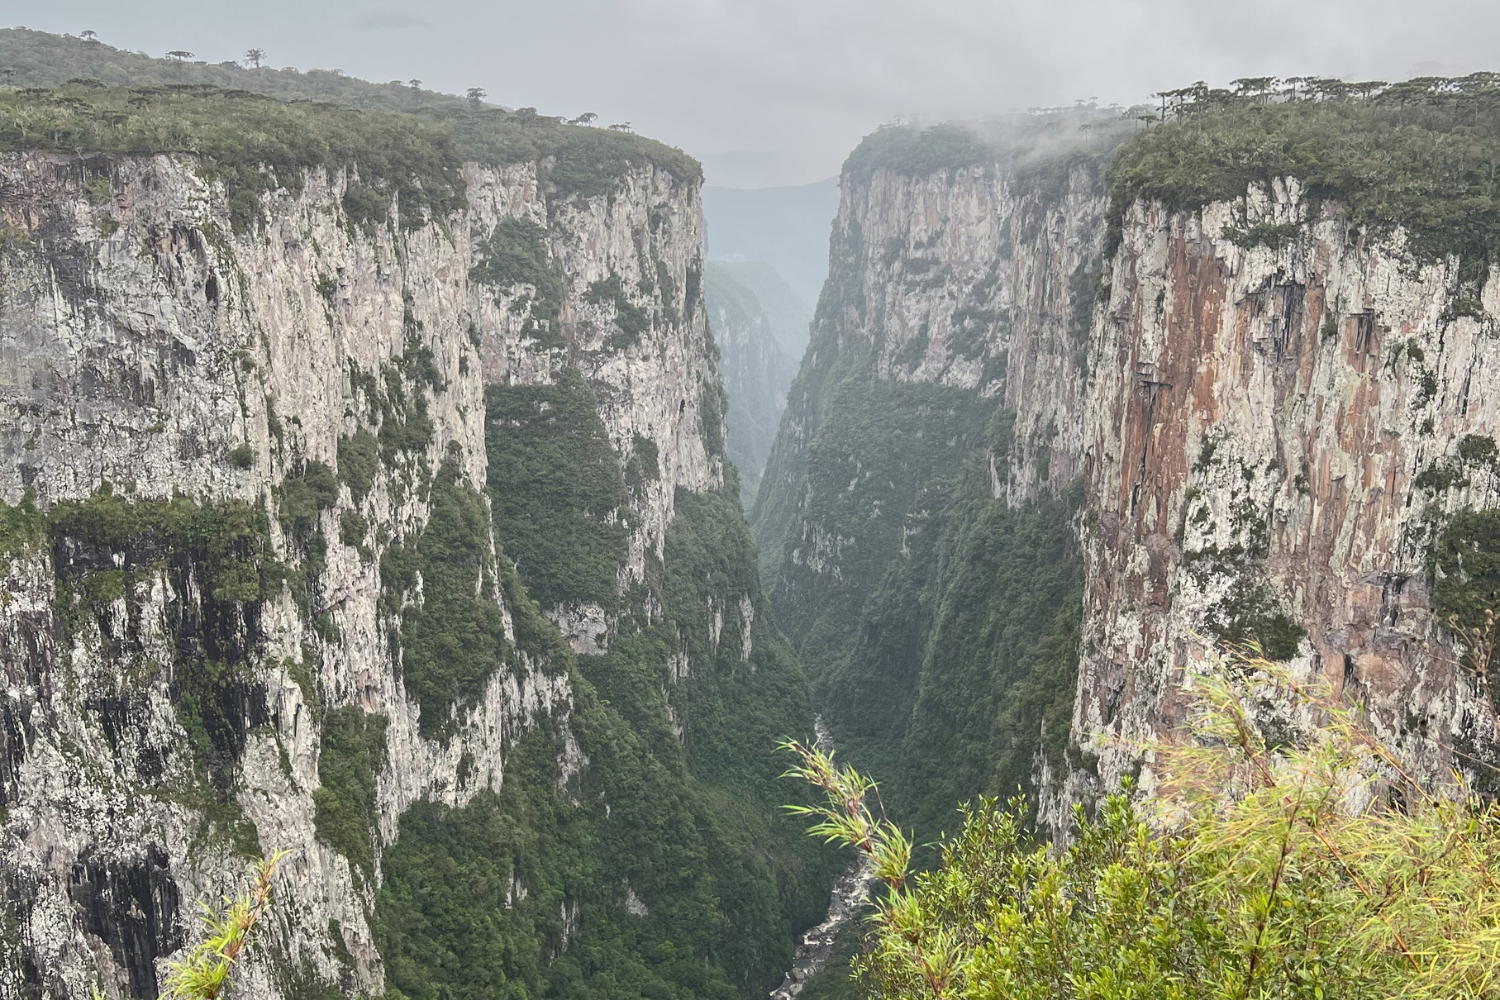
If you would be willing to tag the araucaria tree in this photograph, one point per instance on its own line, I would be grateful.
(1286, 853)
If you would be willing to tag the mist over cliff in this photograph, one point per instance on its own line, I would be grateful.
(1090, 395)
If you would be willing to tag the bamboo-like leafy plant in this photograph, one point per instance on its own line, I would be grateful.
(204, 972)
(1286, 852)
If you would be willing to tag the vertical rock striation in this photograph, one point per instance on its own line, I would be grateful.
(1277, 437)
(272, 473)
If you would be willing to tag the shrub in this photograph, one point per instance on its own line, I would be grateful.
(203, 973)
(1280, 861)
(243, 456)
(304, 497)
(1412, 154)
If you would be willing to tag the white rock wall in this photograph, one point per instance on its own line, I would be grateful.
(1278, 403)
(140, 342)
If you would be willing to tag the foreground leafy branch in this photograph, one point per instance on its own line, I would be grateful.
(204, 972)
(1286, 852)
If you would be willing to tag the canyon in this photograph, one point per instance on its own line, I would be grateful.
(372, 494)
(1055, 445)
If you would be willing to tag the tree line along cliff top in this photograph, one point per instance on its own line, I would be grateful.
(80, 96)
(1422, 154)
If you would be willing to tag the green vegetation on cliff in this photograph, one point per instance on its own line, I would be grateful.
(661, 867)
(1000, 661)
(1417, 154)
(581, 160)
(454, 640)
(1254, 874)
(351, 752)
(945, 647)
(557, 490)
(252, 143)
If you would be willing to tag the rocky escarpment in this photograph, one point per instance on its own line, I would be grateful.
(611, 288)
(176, 397)
(295, 461)
(915, 513)
(1233, 396)
(1279, 435)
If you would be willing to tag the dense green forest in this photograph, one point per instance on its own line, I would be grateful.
(948, 643)
(663, 865)
(1418, 154)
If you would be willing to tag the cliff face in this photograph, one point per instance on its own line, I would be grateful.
(625, 311)
(925, 464)
(1015, 456)
(1277, 437)
(255, 596)
(149, 348)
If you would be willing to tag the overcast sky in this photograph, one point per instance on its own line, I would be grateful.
(771, 92)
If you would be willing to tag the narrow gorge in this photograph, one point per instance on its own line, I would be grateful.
(1087, 401)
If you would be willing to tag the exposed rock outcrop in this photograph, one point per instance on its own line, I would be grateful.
(241, 467)
(1258, 427)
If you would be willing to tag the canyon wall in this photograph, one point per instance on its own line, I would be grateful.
(916, 513)
(755, 360)
(403, 542)
(1053, 447)
(1277, 436)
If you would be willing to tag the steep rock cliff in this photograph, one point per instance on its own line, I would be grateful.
(260, 500)
(1278, 435)
(176, 398)
(915, 512)
(1254, 390)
